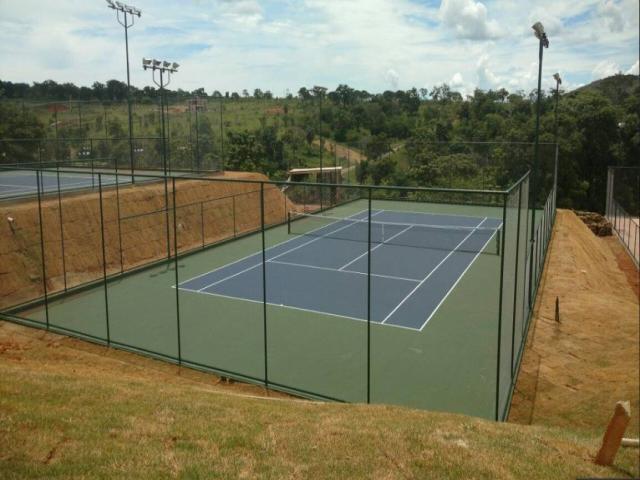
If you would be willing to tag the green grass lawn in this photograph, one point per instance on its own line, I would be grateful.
(71, 410)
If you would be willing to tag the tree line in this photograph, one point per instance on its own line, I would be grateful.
(422, 137)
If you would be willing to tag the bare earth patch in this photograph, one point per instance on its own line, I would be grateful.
(574, 371)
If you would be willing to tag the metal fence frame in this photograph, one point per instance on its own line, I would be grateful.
(625, 225)
(174, 253)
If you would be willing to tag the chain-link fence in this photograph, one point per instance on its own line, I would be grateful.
(412, 296)
(623, 207)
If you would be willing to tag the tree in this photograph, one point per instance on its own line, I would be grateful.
(200, 92)
(304, 94)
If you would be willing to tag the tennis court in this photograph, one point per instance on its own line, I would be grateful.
(17, 183)
(418, 300)
(416, 260)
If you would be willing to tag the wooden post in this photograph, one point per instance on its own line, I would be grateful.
(613, 436)
(557, 310)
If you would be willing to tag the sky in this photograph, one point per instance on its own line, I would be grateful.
(375, 45)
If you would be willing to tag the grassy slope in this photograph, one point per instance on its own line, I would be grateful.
(69, 409)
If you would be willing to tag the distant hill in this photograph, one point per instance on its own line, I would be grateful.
(616, 88)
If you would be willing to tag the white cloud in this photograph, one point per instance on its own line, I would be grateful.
(486, 78)
(468, 18)
(273, 44)
(457, 80)
(612, 15)
(243, 12)
(634, 69)
(606, 68)
(392, 78)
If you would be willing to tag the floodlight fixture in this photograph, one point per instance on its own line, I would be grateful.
(557, 78)
(156, 63)
(175, 66)
(146, 62)
(166, 64)
(110, 4)
(538, 30)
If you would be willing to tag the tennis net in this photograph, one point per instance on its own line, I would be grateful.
(436, 237)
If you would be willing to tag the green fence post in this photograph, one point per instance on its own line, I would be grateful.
(264, 285)
(202, 222)
(369, 296)
(119, 221)
(93, 180)
(44, 268)
(235, 230)
(104, 259)
(515, 287)
(175, 259)
(64, 267)
(504, 228)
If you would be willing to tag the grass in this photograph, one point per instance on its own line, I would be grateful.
(73, 410)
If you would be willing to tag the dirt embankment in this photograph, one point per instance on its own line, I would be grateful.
(207, 212)
(575, 370)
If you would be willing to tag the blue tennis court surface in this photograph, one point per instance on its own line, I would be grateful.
(21, 182)
(417, 259)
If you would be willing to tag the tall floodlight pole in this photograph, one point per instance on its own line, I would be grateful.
(556, 77)
(129, 13)
(540, 34)
(162, 67)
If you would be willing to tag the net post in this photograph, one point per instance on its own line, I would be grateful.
(175, 260)
(369, 295)
(43, 264)
(504, 222)
(264, 286)
(515, 286)
(288, 223)
(104, 259)
(64, 266)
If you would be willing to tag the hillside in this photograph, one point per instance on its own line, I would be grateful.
(616, 88)
(147, 419)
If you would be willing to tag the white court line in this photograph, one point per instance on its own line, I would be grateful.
(242, 299)
(432, 271)
(391, 277)
(258, 253)
(458, 280)
(283, 253)
(377, 246)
